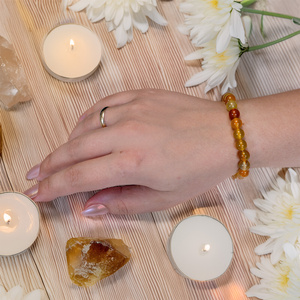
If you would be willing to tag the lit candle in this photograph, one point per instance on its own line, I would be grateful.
(200, 248)
(19, 223)
(71, 52)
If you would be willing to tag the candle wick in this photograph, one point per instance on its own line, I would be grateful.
(72, 44)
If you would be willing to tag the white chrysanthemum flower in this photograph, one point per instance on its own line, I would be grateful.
(120, 15)
(280, 281)
(209, 19)
(217, 67)
(17, 293)
(278, 217)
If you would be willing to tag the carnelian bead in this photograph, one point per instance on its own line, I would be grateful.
(241, 174)
(236, 123)
(231, 104)
(244, 165)
(241, 145)
(234, 113)
(227, 97)
(238, 134)
(243, 155)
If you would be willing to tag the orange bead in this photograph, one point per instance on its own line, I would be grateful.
(244, 165)
(244, 155)
(241, 145)
(241, 174)
(236, 123)
(238, 134)
(228, 96)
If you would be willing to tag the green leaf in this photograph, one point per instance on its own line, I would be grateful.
(296, 21)
(262, 26)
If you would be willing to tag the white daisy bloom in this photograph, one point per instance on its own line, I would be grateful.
(209, 19)
(120, 15)
(278, 217)
(217, 68)
(17, 293)
(280, 281)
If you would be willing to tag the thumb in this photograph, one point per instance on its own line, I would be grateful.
(125, 200)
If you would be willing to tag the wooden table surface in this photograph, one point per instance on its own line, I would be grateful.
(152, 60)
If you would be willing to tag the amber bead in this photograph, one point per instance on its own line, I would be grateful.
(241, 145)
(231, 105)
(244, 165)
(234, 113)
(241, 174)
(236, 123)
(238, 134)
(243, 155)
(227, 97)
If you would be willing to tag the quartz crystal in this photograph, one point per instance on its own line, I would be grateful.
(90, 260)
(13, 86)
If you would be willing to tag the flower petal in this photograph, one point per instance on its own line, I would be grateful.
(223, 39)
(236, 26)
(80, 5)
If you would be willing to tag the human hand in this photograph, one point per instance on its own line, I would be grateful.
(159, 149)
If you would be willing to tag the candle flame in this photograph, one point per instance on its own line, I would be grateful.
(7, 218)
(206, 248)
(72, 44)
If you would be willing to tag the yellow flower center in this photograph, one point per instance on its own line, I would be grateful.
(289, 213)
(284, 281)
(214, 3)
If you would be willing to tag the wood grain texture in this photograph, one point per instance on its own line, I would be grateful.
(151, 60)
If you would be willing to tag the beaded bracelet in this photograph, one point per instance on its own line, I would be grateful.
(238, 134)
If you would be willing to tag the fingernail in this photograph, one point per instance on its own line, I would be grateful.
(82, 117)
(33, 172)
(95, 210)
(32, 192)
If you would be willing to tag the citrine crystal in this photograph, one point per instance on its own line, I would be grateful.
(90, 260)
(13, 84)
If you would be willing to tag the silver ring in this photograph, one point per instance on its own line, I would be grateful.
(102, 116)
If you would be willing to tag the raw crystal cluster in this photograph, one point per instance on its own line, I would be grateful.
(90, 260)
(13, 85)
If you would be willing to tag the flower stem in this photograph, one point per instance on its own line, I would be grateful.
(273, 42)
(296, 20)
(247, 2)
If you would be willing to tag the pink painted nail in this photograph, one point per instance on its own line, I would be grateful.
(32, 192)
(95, 210)
(82, 117)
(33, 172)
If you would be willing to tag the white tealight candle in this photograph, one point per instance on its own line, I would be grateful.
(71, 52)
(19, 223)
(200, 248)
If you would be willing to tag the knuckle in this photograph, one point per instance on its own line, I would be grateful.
(72, 148)
(129, 163)
(130, 127)
(72, 176)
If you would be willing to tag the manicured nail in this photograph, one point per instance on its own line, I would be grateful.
(95, 210)
(34, 172)
(82, 117)
(32, 192)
